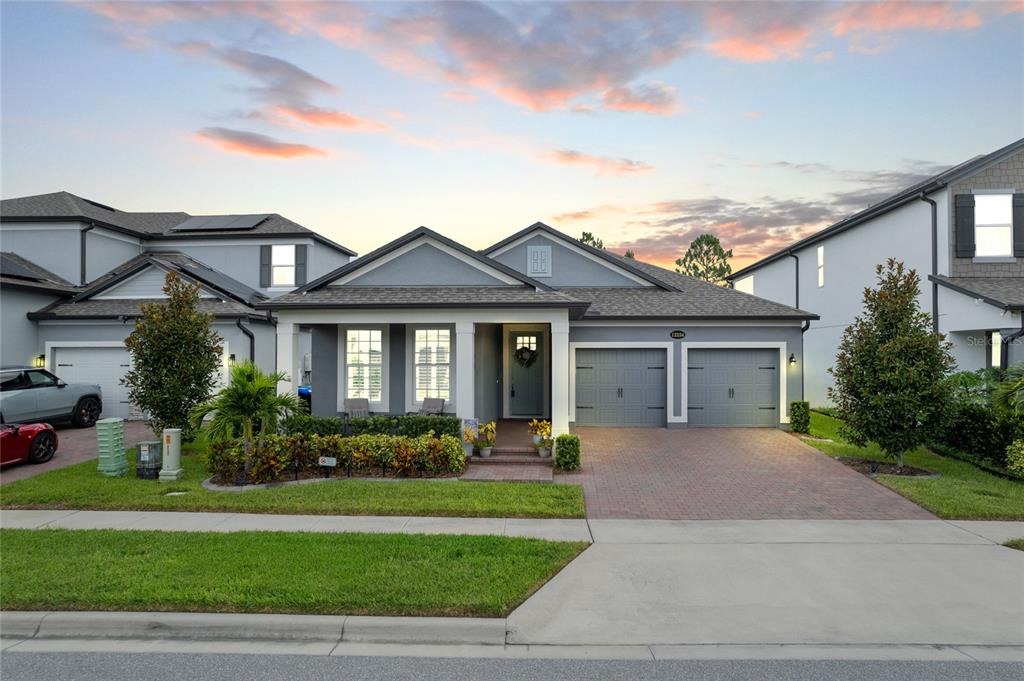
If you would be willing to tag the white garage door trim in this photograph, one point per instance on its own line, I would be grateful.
(670, 383)
(742, 345)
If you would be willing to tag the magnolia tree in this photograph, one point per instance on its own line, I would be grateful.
(889, 370)
(706, 259)
(176, 357)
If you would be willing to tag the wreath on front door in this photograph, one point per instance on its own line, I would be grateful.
(525, 357)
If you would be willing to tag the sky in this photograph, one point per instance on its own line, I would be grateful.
(644, 123)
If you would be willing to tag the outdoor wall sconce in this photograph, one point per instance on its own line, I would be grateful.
(39, 361)
(792, 359)
(231, 358)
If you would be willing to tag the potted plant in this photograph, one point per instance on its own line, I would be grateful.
(539, 429)
(544, 447)
(468, 440)
(485, 438)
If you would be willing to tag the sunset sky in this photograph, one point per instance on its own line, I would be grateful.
(645, 123)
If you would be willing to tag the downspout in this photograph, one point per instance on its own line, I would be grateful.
(803, 358)
(252, 338)
(935, 260)
(796, 270)
(1004, 350)
(81, 250)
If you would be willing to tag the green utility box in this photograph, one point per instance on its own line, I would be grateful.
(149, 460)
(110, 445)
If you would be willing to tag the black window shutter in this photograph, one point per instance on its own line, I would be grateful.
(264, 266)
(1018, 225)
(300, 265)
(964, 220)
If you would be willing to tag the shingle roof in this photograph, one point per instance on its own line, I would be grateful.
(67, 206)
(116, 309)
(898, 199)
(19, 272)
(1004, 292)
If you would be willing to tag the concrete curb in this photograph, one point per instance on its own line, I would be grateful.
(251, 627)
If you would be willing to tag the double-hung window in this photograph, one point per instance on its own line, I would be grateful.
(282, 265)
(364, 364)
(432, 364)
(993, 225)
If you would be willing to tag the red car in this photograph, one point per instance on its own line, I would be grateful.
(32, 442)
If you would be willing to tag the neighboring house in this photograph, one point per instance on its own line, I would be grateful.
(540, 325)
(74, 274)
(962, 230)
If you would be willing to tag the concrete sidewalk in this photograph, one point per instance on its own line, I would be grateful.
(554, 529)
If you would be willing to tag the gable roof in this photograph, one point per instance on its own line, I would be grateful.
(609, 258)
(901, 198)
(63, 206)
(22, 273)
(177, 262)
(420, 233)
(1006, 293)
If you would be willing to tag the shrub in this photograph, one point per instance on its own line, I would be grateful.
(567, 452)
(312, 425)
(224, 461)
(410, 426)
(800, 416)
(1015, 458)
(415, 426)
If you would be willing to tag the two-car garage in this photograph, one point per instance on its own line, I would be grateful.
(723, 386)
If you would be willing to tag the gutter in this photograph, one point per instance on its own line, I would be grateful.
(935, 260)
(1004, 350)
(797, 272)
(252, 338)
(81, 249)
(803, 358)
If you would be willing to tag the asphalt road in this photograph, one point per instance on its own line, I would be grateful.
(174, 667)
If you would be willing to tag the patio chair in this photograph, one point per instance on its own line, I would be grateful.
(432, 406)
(356, 407)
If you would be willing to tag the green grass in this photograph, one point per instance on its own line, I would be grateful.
(356, 574)
(1015, 544)
(961, 491)
(81, 487)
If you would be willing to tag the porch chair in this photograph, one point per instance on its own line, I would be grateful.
(432, 406)
(356, 407)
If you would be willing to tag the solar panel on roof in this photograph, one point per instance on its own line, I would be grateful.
(216, 223)
(12, 268)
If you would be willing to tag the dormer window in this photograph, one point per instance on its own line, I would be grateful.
(538, 261)
(993, 225)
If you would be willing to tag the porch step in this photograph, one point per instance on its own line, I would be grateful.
(518, 458)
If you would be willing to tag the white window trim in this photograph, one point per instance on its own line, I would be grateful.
(410, 366)
(821, 266)
(274, 266)
(1002, 258)
(544, 332)
(384, 405)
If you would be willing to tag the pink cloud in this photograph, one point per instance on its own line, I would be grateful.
(760, 32)
(254, 144)
(328, 118)
(460, 96)
(653, 98)
(601, 165)
(898, 15)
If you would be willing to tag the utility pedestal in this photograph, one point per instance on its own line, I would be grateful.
(171, 470)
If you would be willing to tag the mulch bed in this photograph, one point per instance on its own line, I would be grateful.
(870, 467)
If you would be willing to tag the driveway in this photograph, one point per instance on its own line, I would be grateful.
(724, 474)
(75, 445)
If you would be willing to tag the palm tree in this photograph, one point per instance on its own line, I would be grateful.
(249, 403)
(1009, 394)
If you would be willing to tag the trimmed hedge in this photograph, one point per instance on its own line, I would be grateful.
(567, 452)
(1015, 458)
(800, 416)
(275, 457)
(410, 426)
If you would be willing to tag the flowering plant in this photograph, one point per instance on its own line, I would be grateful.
(468, 435)
(540, 427)
(487, 434)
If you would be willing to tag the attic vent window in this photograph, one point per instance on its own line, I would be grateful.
(538, 261)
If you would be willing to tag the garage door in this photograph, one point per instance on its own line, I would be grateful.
(732, 387)
(620, 387)
(102, 366)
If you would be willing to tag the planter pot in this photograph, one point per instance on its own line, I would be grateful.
(485, 452)
(544, 452)
(536, 440)
(468, 449)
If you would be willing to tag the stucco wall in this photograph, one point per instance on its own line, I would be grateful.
(55, 246)
(425, 265)
(19, 341)
(568, 268)
(105, 250)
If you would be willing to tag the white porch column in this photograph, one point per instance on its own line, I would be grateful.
(559, 378)
(287, 356)
(465, 371)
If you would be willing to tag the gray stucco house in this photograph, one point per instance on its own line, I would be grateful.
(540, 325)
(74, 272)
(962, 230)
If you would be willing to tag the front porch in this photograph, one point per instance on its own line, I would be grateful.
(487, 365)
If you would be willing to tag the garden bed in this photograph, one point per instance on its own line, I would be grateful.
(873, 467)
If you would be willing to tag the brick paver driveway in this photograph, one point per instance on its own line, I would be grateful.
(724, 474)
(75, 445)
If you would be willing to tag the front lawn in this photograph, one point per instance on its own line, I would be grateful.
(1015, 544)
(275, 572)
(961, 491)
(81, 487)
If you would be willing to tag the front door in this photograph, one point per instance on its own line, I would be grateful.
(526, 373)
